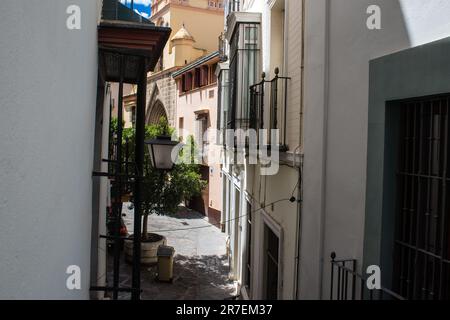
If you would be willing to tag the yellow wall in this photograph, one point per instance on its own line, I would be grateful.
(203, 24)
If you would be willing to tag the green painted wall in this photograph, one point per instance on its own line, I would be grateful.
(417, 72)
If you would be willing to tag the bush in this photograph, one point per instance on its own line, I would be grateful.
(164, 191)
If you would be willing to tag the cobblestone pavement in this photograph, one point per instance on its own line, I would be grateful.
(201, 266)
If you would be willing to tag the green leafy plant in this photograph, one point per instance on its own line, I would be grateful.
(164, 191)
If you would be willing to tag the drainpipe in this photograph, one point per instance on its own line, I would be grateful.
(300, 169)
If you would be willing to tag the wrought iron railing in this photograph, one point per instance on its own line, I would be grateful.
(272, 93)
(347, 284)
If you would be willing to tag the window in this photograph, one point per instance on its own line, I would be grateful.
(161, 63)
(213, 73)
(133, 117)
(181, 129)
(183, 83)
(215, 4)
(248, 270)
(244, 66)
(187, 82)
(189, 79)
(204, 76)
(278, 36)
(271, 250)
(197, 78)
(223, 105)
(422, 243)
(202, 133)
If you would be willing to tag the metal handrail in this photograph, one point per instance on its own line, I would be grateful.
(348, 277)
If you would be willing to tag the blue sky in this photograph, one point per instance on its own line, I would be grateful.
(143, 7)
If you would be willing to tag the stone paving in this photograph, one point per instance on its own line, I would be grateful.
(201, 266)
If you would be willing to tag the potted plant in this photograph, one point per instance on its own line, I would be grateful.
(163, 192)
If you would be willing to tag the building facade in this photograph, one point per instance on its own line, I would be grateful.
(46, 190)
(196, 107)
(188, 42)
(373, 85)
(363, 136)
(53, 163)
(261, 221)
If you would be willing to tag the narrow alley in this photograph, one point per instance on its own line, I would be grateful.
(200, 265)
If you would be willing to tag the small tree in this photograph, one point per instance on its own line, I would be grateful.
(164, 191)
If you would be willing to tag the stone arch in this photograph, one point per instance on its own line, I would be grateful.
(155, 108)
(156, 112)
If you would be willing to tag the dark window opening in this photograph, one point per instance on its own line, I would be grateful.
(187, 82)
(181, 126)
(204, 76)
(197, 78)
(133, 117)
(422, 250)
(248, 275)
(213, 73)
(271, 244)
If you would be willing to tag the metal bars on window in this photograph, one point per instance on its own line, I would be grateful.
(275, 117)
(422, 251)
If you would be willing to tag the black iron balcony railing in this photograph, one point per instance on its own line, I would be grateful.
(347, 284)
(274, 94)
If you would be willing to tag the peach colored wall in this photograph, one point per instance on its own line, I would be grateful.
(203, 24)
(187, 105)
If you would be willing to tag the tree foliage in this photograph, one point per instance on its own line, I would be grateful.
(164, 191)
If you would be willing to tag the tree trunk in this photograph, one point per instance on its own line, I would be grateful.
(145, 228)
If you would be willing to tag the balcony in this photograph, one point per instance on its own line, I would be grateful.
(268, 102)
(233, 6)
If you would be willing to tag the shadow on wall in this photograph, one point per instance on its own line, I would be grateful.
(378, 245)
(351, 47)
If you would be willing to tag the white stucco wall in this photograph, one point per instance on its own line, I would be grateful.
(262, 190)
(338, 50)
(47, 99)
